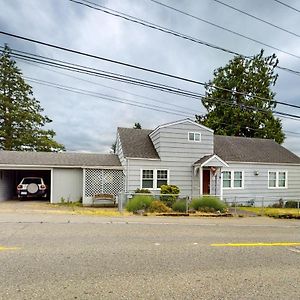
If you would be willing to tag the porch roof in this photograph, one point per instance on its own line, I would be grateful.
(211, 160)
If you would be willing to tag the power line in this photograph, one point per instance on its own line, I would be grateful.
(130, 18)
(118, 99)
(121, 77)
(257, 18)
(287, 5)
(155, 86)
(221, 27)
(116, 89)
(105, 97)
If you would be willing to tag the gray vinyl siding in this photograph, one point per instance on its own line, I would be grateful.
(256, 186)
(177, 154)
(175, 146)
(180, 175)
(67, 184)
(119, 151)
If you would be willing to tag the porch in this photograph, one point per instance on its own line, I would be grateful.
(207, 173)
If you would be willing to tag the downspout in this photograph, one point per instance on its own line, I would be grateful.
(127, 175)
(192, 183)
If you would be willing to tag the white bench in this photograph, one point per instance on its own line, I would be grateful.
(100, 199)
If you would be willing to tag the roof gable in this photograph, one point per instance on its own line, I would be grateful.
(242, 149)
(180, 122)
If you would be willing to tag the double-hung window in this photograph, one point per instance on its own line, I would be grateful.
(147, 179)
(194, 136)
(154, 179)
(233, 179)
(277, 179)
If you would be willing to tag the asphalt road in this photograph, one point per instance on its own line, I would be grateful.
(86, 257)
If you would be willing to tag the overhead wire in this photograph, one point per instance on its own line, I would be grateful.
(222, 27)
(256, 18)
(168, 89)
(117, 99)
(137, 81)
(130, 18)
(287, 5)
(114, 88)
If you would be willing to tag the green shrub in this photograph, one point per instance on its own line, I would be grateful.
(169, 189)
(158, 206)
(208, 204)
(139, 202)
(279, 204)
(291, 204)
(142, 191)
(179, 205)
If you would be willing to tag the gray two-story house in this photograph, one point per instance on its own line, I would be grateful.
(189, 155)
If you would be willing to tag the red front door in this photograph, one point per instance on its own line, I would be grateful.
(206, 182)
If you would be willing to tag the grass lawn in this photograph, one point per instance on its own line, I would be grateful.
(270, 211)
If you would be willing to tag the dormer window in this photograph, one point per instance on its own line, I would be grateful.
(194, 136)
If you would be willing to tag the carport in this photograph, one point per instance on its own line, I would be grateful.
(11, 177)
(69, 176)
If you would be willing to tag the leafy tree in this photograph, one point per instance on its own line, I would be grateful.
(137, 126)
(236, 107)
(113, 147)
(21, 119)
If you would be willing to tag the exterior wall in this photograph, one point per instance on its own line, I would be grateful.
(180, 174)
(256, 186)
(67, 185)
(119, 151)
(174, 146)
(177, 154)
(6, 181)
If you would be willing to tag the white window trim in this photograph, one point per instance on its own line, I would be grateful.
(194, 141)
(277, 179)
(232, 180)
(154, 178)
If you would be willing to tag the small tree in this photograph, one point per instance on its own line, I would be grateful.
(137, 126)
(243, 114)
(21, 119)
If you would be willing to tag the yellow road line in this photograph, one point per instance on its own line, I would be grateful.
(2, 248)
(256, 244)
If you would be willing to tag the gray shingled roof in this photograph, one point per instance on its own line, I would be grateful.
(137, 143)
(203, 159)
(241, 149)
(58, 159)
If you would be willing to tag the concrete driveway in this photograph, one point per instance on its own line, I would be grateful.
(63, 256)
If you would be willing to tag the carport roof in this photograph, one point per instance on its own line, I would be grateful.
(60, 159)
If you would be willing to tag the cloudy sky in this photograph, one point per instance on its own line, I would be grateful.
(85, 123)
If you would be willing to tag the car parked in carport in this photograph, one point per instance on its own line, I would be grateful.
(32, 187)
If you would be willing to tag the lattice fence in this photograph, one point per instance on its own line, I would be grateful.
(103, 182)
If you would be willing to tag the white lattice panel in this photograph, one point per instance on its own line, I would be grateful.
(103, 182)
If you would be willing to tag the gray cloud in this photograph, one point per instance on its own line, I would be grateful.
(84, 123)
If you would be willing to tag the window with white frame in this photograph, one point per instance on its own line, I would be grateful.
(232, 179)
(154, 179)
(147, 179)
(162, 178)
(194, 136)
(277, 179)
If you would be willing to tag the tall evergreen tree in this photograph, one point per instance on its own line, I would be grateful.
(21, 119)
(243, 114)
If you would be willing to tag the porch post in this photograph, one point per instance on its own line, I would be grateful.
(201, 181)
(221, 185)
